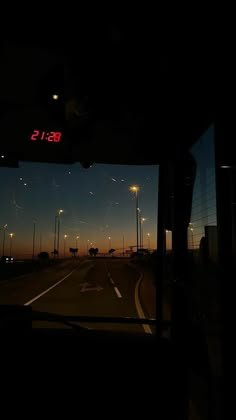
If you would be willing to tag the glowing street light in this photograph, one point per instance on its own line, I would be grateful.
(76, 241)
(135, 190)
(191, 230)
(58, 229)
(3, 241)
(148, 235)
(168, 245)
(65, 236)
(142, 220)
(140, 230)
(11, 239)
(109, 245)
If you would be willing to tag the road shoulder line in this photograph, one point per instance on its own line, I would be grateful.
(138, 305)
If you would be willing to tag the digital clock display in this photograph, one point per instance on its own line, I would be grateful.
(50, 136)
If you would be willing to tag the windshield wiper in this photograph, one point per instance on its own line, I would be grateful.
(41, 316)
(17, 316)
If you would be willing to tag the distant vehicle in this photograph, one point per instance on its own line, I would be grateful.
(7, 259)
(142, 254)
(144, 251)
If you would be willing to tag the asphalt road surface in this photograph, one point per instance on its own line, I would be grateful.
(88, 287)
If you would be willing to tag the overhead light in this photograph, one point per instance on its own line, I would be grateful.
(55, 97)
(225, 167)
(2, 156)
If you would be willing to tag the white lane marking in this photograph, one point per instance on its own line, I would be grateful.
(109, 277)
(48, 290)
(146, 328)
(118, 292)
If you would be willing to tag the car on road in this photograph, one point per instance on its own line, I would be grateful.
(7, 259)
(140, 255)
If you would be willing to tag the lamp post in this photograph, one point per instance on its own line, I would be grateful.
(58, 230)
(55, 234)
(11, 239)
(167, 242)
(40, 243)
(148, 235)
(140, 228)
(109, 244)
(143, 219)
(65, 236)
(34, 226)
(3, 241)
(76, 241)
(191, 229)
(135, 189)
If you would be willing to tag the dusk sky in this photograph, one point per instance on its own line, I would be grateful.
(97, 204)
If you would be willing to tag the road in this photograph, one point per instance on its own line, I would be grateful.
(97, 287)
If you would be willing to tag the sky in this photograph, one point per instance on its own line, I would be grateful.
(97, 205)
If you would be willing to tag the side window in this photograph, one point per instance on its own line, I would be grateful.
(202, 230)
(202, 243)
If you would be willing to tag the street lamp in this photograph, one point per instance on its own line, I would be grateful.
(11, 238)
(88, 241)
(167, 244)
(140, 229)
(192, 236)
(143, 219)
(55, 235)
(148, 235)
(76, 241)
(40, 243)
(58, 230)
(191, 230)
(3, 241)
(34, 225)
(135, 190)
(65, 236)
(109, 245)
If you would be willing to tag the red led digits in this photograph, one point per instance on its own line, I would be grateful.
(51, 136)
(57, 137)
(34, 135)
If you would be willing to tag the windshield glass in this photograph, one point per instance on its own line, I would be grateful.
(70, 236)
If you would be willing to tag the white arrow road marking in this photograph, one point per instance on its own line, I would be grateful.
(86, 287)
